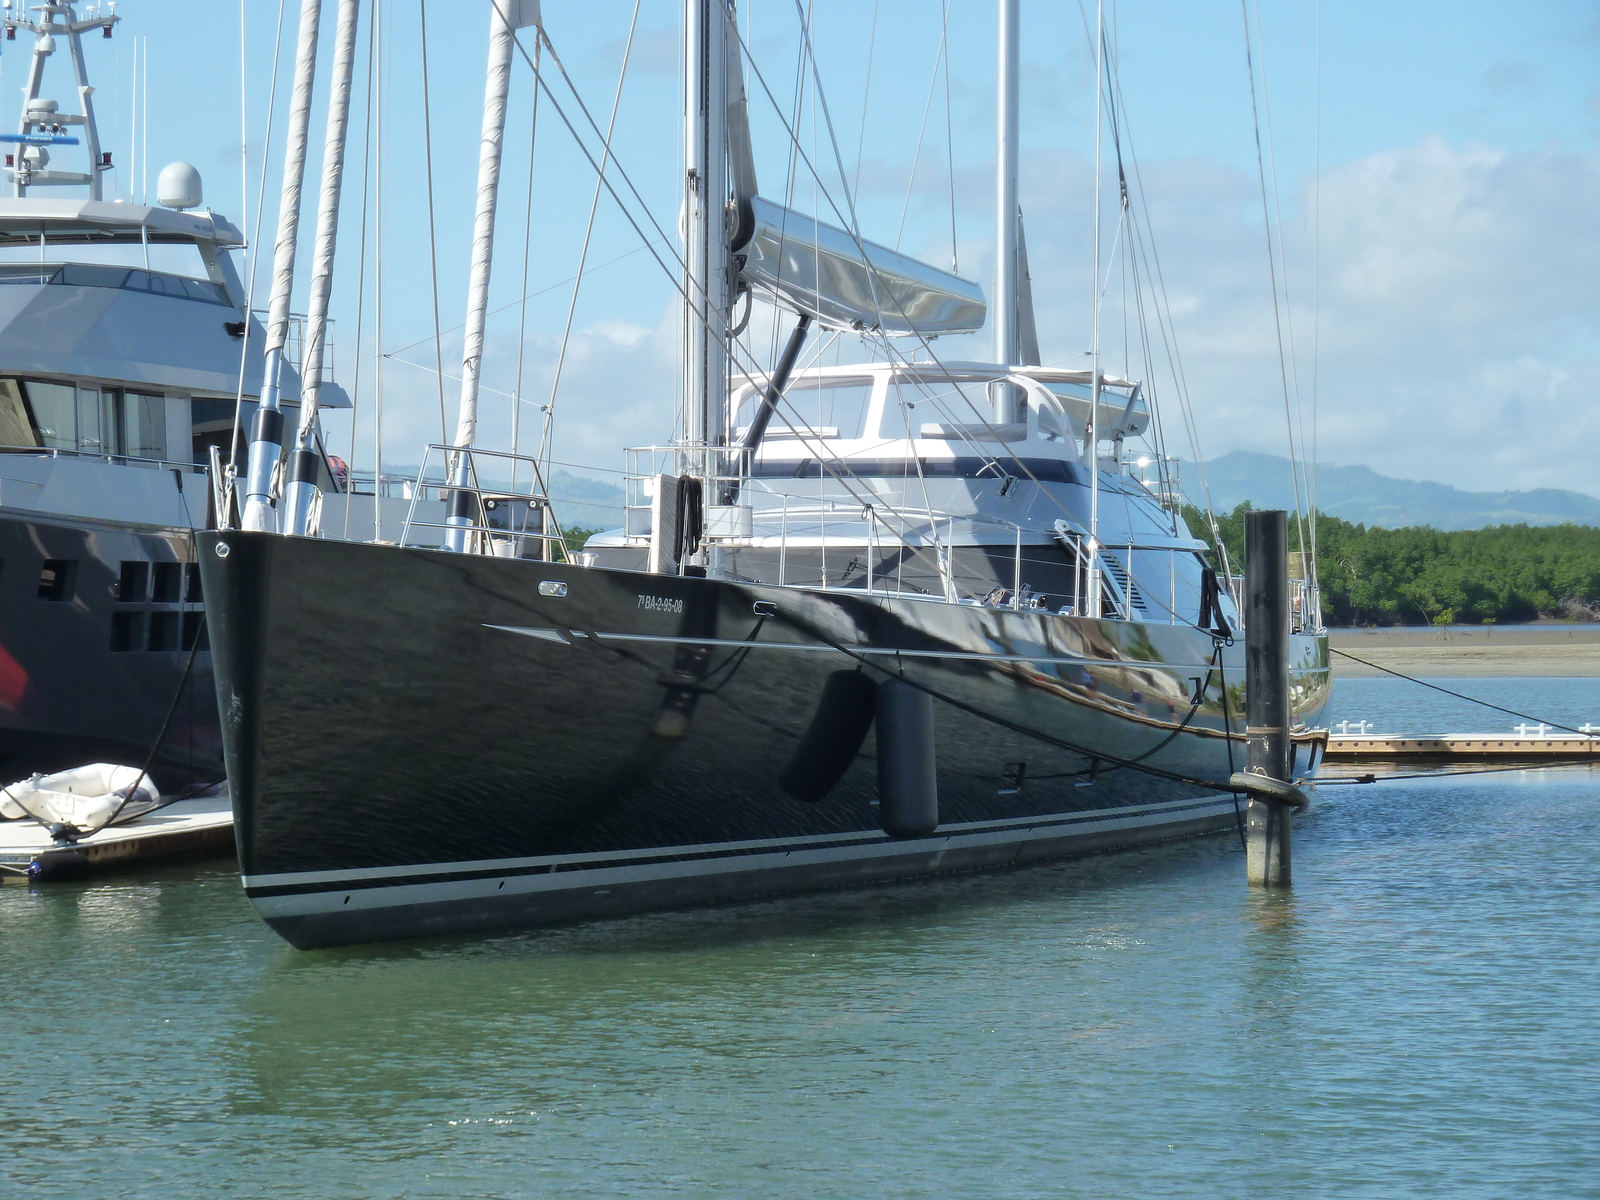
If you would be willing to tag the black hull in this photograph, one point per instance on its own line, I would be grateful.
(87, 675)
(419, 742)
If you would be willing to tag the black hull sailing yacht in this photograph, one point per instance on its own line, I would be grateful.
(430, 741)
(834, 643)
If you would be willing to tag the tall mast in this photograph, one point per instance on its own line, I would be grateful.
(708, 262)
(301, 484)
(1005, 261)
(505, 18)
(1094, 339)
(1006, 397)
(266, 433)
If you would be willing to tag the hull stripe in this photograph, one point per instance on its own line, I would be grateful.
(993, 847)
(381, 877)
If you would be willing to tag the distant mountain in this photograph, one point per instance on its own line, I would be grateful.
(582, 503)
(1360, 494)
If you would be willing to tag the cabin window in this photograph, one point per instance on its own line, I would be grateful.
(127, 631)
(97, 421)
(133, 582)
(167, 582)
(194, 630)
(56, 579)
(191, 592)
(93, 420)
(213, 426)
(913, 403)
(830, 408)
(164, 630)
(15, 428)
(144, 426)
(55, 414)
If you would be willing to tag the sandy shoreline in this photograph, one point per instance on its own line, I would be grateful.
(1548, 650)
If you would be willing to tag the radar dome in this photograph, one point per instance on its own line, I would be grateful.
(179, 186)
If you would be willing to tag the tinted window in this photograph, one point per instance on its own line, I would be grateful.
(15, 428)
(55, 414)
(144, 425)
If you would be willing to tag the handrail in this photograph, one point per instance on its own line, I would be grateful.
(122, 460)
(483, 538)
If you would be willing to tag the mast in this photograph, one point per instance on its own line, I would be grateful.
(266, 433)
(300, 486)
(42, 125)
(1094, 340)
(505, 18)
(708, 274)
(1005, 307)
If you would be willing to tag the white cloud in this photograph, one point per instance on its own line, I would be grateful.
(1458, 316)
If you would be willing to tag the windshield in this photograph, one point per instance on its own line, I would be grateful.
(830, 408)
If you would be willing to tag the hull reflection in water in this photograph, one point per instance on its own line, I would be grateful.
(421, 742)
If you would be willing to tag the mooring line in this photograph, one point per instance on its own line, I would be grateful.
(1458, 695)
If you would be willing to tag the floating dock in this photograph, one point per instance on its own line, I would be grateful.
(203, 825)
(1462, 748)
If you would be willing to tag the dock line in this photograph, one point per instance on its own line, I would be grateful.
(1458, 695)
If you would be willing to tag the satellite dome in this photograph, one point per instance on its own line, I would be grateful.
(179, 186)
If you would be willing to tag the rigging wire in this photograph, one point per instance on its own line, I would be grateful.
(1458, 695)
(255, 242)
(1165, 323)
(361, 287)
(949, 133)
(1272, 263)
(527, 255)
(533, 295)
(588, 233)
(1316, 308)
(379, 209)
(866, 94)
(433, 240)
(916, 157)
(1296, 465)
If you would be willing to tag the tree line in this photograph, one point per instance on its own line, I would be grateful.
(1417, 575)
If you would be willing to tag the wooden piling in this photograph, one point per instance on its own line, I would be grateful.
(1267, 721)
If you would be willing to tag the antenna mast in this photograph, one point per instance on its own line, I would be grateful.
(42, 125)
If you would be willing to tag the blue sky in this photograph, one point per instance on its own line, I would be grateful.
(1457, 302)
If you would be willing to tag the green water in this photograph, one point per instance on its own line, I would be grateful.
(1419, 1018)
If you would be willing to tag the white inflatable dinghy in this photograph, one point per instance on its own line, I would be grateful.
(84, 796)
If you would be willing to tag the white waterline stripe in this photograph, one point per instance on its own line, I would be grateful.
(291, 878)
